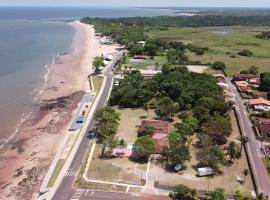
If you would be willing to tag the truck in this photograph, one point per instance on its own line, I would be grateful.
(205, 171)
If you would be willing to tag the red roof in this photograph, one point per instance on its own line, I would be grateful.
(161, 127)
(259, 101)
(245, 76)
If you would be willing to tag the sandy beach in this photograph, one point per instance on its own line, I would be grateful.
(25, 160)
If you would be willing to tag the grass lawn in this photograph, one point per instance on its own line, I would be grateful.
(130, 120)
(116, 168)
(98, 186)
(223, 47)
(56, 172)
(97, 80)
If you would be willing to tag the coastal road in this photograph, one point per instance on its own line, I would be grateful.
(65, 190)
(253, 146)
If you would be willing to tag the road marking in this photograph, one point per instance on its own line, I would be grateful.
(71, 173)
(77, 195)
(127, 189)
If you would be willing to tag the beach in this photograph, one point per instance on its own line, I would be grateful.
(26, 159)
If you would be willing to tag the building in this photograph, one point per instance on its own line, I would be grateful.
(228, 96)
(244, 77)
(223, 85)
(220, 78)
(140, 57)
(149, 74)
(263, 126)
(160, 133)
(262, 95)
(142, 43)
(254, 83)
(243, 86)
(259, 104)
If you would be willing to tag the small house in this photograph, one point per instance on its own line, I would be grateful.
(263, 126)
(140, 57)
(142, 43)
(243, 86)
(259, 104)
(160, 132)
(220, 78)
(244, 77)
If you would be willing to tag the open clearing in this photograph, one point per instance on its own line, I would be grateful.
(188, 176)
(224, 44)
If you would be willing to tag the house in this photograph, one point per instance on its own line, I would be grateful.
(243, 86)
(263, 126)
(254, 83)
(142, 43)
(262, 95)
(228, 96)
(140, 57)
(223, 85)
(160, 133)
(149, 74)
(259, 104)
(220, 78)
(244, 77)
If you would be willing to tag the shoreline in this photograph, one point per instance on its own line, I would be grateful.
(26, 159)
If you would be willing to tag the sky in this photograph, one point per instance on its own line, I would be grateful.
(141, 3)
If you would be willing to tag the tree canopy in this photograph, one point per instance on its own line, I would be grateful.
(144, 145)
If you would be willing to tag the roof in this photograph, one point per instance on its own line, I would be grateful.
(241, 83)
(223, 85)
(141, 42)
(245, 76)
(259, 101)
(140, 57)
(161, 127)
(219, 75)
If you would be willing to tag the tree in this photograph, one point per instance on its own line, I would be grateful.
(183, 192)
(243, 140)
(241, 196)
(217, 128)
(144, 145)
(147, 131)
(232, 150)
(246, 52)
(166, 108)
(98, 63)
(219, 66)
(211, 157)
(245, 173)
(251, 70)
(265, 82)
(107, 121)
(217, 194)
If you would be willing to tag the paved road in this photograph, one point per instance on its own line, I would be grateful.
(65, 191)
(253, 146)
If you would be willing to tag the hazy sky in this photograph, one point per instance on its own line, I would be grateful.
(180, 3)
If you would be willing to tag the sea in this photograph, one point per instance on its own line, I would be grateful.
(31, 38)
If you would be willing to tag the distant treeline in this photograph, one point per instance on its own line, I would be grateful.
(264, 35)
(181, 21)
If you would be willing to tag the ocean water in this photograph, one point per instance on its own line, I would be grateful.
(30, 39)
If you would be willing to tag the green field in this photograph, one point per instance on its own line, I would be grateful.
(224, 44)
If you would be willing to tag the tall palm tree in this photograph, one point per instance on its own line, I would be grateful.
(243, 140)
(232, 150)
(245, 173)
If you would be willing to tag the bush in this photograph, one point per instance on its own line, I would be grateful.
(246, 52)
(219, 66)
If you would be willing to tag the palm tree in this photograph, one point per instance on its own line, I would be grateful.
(232, 150)
(243, 140)
(245, 173)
